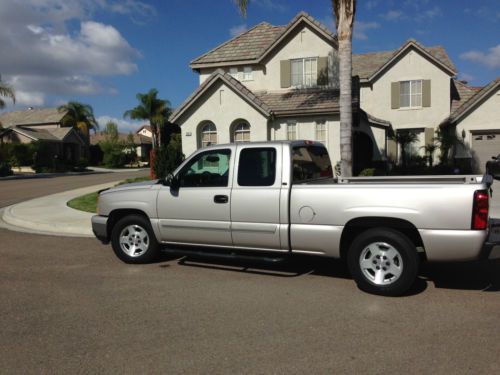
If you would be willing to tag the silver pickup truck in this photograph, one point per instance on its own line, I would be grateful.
(280, 198)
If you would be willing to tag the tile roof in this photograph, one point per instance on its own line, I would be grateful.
(474, 99)
(31, 117)
(101, 136)
(367, 64)
(253, 44)
(460, 94)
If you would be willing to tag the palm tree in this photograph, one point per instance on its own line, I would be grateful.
(152, 109)
(404, 139)
(344, 11)
(6, 91)
(430, 149)
(79, 116)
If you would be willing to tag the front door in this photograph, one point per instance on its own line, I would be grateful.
(255, 198)
(199, 211)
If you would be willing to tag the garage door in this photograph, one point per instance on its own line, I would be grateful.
(485, 145)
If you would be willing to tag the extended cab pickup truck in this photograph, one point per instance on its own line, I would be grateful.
(282, 198)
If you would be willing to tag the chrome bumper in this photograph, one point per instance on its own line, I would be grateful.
(100, 228)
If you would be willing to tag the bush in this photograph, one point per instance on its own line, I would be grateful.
(44, 158)
(81, 165)
(113, 155)
(21, 154)
(5, 169)
(168, 157)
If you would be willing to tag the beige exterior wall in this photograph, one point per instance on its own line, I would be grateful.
(222, 106)
(484, 117)
(146, 133)
(301, 44)
(376, 99)
(13, 137)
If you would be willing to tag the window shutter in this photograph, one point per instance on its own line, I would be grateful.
(395, 95)
(426, 93)
(286, 73)
(323, 71)
(392, 149)
(429, 136)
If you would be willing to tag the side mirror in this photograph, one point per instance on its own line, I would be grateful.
(172, 181)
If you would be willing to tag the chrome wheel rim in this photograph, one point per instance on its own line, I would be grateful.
(134, 240)
(381, 263)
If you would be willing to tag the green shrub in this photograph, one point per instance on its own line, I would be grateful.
(21, 154)
(113, 155)
(367, 172)
(168, 157)
(5, 169)
(44, 159)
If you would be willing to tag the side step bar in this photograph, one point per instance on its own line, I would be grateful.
(223, 256)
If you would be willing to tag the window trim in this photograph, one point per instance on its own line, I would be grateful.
(288, 125)
(202, 131)
(410, 94)
(247, 70)
(234, 72)
(239, 131)
(321, 122)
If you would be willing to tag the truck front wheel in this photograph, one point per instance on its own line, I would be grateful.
(383, 261)
(133, 240)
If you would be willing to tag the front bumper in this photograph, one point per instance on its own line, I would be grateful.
(100, 228)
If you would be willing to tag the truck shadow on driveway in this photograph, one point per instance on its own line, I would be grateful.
(477, 275)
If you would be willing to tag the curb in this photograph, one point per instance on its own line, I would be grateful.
(51, 215)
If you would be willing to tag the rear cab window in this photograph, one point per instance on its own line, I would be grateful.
(310, 162)
(257, 166)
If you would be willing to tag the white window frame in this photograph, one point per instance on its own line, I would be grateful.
(247, 73)
(289, 126)
(234, 72)
(303, 77)
(324, 131)
(411, 94)
(206, 129)
(241, 128)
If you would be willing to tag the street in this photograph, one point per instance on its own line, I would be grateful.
(68, 305)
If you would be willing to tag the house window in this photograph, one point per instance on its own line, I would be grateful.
(242, 132)
(291, 131)
(247, 73)
(234, 72)
(410, 94)
(305, 72)
(208, 134)
(321, 131)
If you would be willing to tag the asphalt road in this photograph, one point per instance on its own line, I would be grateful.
(68, 305)
(15, 191)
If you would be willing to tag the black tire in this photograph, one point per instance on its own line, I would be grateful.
(150, 249)
(372, 245)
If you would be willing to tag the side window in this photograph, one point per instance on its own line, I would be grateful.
(310, 163)
(257, 167)
(208, 169)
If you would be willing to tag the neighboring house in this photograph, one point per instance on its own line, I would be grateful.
(44, 124)
(276, 83)
(145, 142)
(141, 142)
(281, 82)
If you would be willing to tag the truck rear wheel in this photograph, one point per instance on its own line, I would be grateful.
(383, 261)
(133, 240)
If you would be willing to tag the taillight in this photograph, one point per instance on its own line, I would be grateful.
(480, 210)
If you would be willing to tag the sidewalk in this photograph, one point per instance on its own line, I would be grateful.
(51, 215)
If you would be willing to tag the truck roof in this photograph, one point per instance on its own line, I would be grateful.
(300, 142)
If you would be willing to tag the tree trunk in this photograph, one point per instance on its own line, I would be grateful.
(344, 14)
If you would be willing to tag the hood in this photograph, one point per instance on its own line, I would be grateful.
(132, 186)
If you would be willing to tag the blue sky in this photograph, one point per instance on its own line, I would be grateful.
(103, 52)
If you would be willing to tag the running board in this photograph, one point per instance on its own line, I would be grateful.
(223, 256)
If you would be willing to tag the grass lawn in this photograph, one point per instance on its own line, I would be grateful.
(88, 202)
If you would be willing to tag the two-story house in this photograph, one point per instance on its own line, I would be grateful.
(281, 82)
(275, 83)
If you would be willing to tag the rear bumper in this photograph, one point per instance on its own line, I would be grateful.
(453, 245)
(491, 248)
(100, 228)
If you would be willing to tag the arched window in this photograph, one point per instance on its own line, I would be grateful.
(208, 134)
(241, 132)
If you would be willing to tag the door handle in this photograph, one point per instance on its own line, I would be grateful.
(221, 199)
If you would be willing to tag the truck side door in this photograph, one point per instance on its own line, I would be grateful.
(255, 197)
(198, 212)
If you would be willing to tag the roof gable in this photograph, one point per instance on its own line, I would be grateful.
(232, 83)
(475, 101)
(369, 66)
(254, 45)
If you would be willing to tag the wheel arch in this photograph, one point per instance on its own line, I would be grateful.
(118, 214)
(356, 226)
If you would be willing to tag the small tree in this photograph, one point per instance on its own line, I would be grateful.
(430, 149)
(448, 140)
(7, 92)
(168, 157)
(112, 147)
(404, 139)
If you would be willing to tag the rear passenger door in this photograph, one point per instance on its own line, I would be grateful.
(255, 197)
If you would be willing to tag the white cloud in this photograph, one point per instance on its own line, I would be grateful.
(237, 30)
(429, 14)
(393, 15)
(491, 58)
(41, 55)
(36, 99)
(124, 126)
(360, 29)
